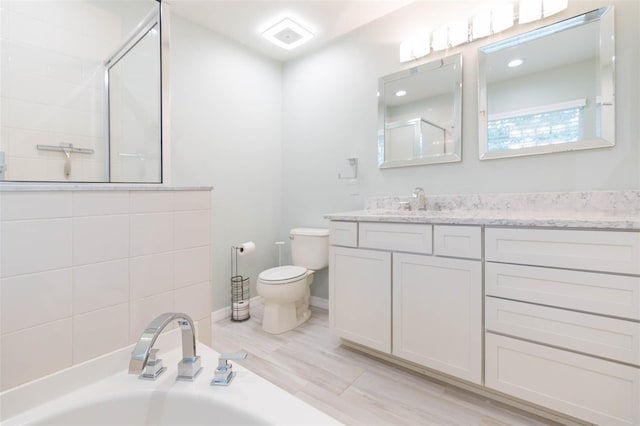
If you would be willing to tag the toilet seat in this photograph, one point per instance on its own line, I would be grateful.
(282, 275)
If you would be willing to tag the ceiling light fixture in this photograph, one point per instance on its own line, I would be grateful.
(515, 63)
(287, 34)
(401, 92)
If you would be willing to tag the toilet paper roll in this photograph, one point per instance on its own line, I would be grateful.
(248, 247)
(242, 305)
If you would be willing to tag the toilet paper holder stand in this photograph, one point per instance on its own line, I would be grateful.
(239, 288)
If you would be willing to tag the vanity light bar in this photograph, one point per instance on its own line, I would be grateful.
(415, 48)
(484, 24)
(440, 39)
(529, 11)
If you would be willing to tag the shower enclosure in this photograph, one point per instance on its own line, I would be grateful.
(81, 91)
(132, 87)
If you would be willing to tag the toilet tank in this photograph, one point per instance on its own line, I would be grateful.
(310, 247)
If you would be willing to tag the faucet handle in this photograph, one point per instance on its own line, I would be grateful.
(224, 373)
(154, 367)
(232, 356)
(189, 368)
(421, 199)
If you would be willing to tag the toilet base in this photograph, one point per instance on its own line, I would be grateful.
(279, 318)
(286, 306)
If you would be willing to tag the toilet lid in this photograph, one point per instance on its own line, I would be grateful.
(282, 273)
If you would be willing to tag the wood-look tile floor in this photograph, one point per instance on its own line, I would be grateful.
(350, 386)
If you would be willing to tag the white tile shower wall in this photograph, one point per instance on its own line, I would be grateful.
(48, 52)
(83, 272)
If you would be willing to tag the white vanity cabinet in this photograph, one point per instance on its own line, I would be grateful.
(437, 313)
(360, 296)
(428, 310)
(538, 311)
(562, 314)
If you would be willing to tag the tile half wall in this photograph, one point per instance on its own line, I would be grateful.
(83, 272)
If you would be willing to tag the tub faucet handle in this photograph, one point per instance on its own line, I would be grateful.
(224, 373)
(232, 356)
(154, 366)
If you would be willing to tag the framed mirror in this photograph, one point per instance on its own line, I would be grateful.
(420, 114)
(81, 91)
(549, 90)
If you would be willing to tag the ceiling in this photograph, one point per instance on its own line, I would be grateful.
(244, 21)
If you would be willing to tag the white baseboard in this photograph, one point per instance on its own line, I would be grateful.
(224, 313)
(319, 302)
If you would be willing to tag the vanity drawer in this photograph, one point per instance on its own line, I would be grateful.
(611, 338)
(610, 251)
(409, 237)
(599, 391)
(343, 233)
(457, 241)
(615, 295)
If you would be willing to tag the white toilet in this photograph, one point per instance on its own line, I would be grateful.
(285, 289)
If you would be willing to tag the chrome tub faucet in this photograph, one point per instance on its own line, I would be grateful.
(143, 360)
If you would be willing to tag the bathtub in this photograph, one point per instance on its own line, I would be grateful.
(101, 392)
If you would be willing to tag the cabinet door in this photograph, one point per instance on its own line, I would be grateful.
(598, 391)
(437, 314)
(360, 296)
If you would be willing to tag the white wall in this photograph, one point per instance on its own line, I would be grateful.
(330, 113)
(226, 132)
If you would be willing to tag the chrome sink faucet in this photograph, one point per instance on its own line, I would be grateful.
(421, 199)
(140, 363)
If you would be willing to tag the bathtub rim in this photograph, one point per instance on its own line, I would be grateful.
(249, 393)
(24, 397)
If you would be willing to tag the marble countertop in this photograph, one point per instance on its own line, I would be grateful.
(556, 219)
(611, 209)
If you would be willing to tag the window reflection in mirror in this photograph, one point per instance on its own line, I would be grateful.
(55, 101)
(549, 90)
(419, 113)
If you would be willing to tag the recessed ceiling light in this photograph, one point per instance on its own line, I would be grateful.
(287, 34)
(401, 92)
(515, 63)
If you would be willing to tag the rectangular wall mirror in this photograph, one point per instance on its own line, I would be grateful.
(420, 114)
(80, 91)
(549, 90)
